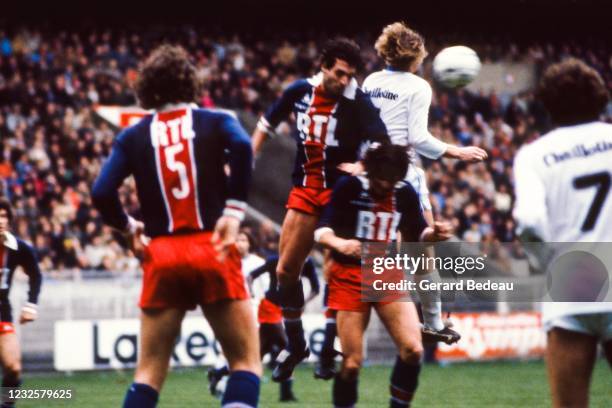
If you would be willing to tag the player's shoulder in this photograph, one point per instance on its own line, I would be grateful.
(419, 81)
(301, 87)
(350, 183)
(418, 85)
(373, 78)
(214, 114)
(563, 136)
(405, 194)
(131, 132)
(19, 244)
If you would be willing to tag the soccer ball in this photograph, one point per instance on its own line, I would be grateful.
(455, 67)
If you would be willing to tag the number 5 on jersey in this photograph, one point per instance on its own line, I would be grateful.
(172, 138)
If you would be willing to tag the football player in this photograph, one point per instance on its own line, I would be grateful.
(371, 208)
(562, 187)
(14, 253)
(334, 119)
(404, 98)
(192, 213)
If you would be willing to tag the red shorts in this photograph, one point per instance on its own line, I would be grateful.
(6, 328)
(182, 271)
(308, 200)
(268, 312)
(347, 289)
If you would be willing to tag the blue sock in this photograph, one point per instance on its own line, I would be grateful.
(292, 303)
(140, 396)
(295, 335)
(404, 382)
(345, 392)
(9, 381)
(330, 336)
(286, 389)
(243, 388)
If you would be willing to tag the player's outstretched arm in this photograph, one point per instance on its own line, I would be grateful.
(470, 154)
(427, 144)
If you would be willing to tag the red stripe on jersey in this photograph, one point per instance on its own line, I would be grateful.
(319, 112)
(177, 170)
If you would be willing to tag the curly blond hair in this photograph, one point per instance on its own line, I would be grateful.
(401, 47)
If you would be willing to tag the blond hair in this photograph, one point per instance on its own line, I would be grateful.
(400, 46)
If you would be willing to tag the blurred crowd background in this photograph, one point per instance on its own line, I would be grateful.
(52, 144)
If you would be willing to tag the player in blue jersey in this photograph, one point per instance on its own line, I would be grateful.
(334, 119)
(191, 211)
(14, 253)
(372, 208)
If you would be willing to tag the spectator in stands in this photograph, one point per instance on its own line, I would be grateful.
(52, 144)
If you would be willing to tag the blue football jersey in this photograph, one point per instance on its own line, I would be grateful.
(354, 214)
(329, 131)
(177, 158)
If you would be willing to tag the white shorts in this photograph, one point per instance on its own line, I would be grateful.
(416, 177)
(594, 324)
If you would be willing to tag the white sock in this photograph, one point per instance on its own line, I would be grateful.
(431, 304)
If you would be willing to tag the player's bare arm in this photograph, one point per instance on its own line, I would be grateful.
(348, 247)
(440, 231)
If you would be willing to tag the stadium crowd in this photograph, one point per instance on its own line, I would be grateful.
(52, 143)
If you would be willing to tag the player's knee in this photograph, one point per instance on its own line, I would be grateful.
(351, 365)
(286, 276)
(411, 353)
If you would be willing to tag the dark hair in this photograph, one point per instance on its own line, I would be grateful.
(253, 244)
(341, 48)
(6, 205)
(572, 92)
(387, 162)
(167, 76)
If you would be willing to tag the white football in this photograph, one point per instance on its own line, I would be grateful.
(455, 67)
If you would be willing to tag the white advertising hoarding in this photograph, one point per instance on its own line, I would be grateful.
(113, 343)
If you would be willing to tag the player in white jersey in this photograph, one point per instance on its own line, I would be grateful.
(404, 99)
(562, 184)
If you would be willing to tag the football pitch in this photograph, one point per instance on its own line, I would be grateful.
(510, 384)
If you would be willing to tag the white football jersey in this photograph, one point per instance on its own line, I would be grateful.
(249, 264)
(404, 99)
(562, 187)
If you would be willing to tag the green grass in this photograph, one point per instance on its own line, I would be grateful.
(460, 385)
